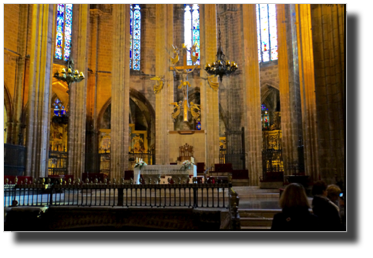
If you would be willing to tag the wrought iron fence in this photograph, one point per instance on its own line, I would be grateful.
(63, 193)
(272, 152)
(57, 164)
(222, 153)
(237, 159)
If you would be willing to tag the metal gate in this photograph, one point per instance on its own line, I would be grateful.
(272, 153)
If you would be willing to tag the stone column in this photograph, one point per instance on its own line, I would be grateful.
(307, 89)
(230, 90)
(253, 132)
(209, 97)
(328, 34)
(120, 88)
(16, 129)
(163, 110)
(288, 85)
(78, 93)
(92, 158)
(41, 56)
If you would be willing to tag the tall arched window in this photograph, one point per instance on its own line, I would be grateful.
(191, 29)
(267, 32)
(135, 36)
(63, 31)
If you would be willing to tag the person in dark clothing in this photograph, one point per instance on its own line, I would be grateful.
(295, 215)
(325, 209)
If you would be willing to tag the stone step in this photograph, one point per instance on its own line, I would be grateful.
(257, 219)
(258, 213)
(249, 228)
(256, 222)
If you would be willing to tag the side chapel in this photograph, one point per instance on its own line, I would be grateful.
(91, 88)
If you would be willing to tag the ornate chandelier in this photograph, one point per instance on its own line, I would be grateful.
(221, 66)
(70, 77)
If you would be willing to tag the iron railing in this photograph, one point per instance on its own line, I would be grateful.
(124, 194)
(272, 153)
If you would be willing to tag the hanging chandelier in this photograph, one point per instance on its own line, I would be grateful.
(221, 66)
(71, 77)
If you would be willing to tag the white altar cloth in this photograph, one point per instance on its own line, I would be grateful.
(163, 170)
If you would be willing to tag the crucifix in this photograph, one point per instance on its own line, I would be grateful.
(184, 71)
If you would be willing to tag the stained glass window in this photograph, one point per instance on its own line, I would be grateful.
(135, 36)
(63, 31)
(267, 32)
(191, 30)
(58, 108)
(265, 117)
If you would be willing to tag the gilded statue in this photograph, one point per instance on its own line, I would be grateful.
(158, 87)
(195, 110)
(175, 59)
(176, 112)
(193, 53)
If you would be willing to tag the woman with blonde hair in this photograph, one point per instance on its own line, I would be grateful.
(295, 215)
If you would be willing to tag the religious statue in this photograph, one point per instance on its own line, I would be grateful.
(193, 53)
(176, 112)
(175, 59)
(158, 87)
(138, 145)
(183, 71)
(193, 108)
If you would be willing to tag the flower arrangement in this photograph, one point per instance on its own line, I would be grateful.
(186, 164)
(140, 163)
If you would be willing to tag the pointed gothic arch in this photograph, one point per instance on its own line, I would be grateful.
(143, 104)
(9, 113)
(270, 97)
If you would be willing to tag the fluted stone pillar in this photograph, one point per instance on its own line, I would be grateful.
(20, 76)
(78, 94)
(307, 90)
(253, 133)
(39, 90)
(328, 34)
(120, 88)
(288, 85)
(163, 110)
(92, 159)
(209, 97)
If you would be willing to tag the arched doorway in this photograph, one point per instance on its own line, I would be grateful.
(141, 131)
(57, 163)
(272, 135)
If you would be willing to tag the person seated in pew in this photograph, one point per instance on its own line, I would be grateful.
(325, 209)
(295, 215)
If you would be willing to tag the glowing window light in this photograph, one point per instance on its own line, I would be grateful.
(267, 32)
(192, 30)
(135, 37)
(63, 31)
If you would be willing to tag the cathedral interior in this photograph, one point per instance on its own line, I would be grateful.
(93, 88)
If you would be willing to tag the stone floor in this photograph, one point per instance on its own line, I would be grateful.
(251, 197)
